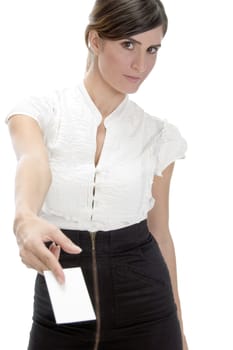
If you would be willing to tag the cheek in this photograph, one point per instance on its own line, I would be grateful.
(112, 62)
(106, 63)
(150, 65)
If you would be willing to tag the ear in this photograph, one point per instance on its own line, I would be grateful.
(95, 42)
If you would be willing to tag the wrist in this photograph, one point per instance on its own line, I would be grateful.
(20, 217)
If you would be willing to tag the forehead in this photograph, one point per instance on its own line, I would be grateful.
(151, 37)
(145, 39)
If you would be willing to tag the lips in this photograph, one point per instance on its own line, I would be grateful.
(132, 78)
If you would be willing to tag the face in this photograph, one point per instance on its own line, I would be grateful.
(125, 64)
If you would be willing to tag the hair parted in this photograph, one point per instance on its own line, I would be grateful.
(118, 19)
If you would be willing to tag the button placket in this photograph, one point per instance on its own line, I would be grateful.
(93, 195)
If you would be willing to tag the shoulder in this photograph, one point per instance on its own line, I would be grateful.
(161, 128)
(168, 143)
(44, 107)
(150, 122)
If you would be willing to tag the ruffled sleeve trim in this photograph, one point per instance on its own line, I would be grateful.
(170, 146)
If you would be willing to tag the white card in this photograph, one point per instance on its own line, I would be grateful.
(70, 301)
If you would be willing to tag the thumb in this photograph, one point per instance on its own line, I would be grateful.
(65, 243)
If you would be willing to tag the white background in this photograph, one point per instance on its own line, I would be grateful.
(42, 48)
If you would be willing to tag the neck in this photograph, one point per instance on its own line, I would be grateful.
(104, 96)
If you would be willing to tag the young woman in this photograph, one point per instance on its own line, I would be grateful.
(93, 173)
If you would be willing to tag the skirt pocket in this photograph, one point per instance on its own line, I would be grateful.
(142, 288)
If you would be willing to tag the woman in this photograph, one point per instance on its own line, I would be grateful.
(93, 173)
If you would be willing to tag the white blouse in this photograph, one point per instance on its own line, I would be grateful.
(117, 192)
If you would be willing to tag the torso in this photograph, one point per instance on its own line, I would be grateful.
(102, 167)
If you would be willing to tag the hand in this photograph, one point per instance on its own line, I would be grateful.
(184, 341)
(32, 233)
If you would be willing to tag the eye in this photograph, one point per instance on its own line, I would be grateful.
(128, 45)
(153, 50)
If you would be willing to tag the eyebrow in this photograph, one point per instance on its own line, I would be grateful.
(139, 43)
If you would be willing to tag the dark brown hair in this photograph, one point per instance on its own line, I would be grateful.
(118, 19)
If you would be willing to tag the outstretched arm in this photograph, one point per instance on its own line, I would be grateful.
(158, 224)
(33, 178)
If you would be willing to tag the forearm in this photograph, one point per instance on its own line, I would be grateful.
(33, 178)
(168, 252)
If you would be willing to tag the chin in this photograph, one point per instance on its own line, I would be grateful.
(124, 88)
(128, 89)
(132, 90)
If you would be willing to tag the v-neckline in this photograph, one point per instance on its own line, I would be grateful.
(99, 160)
(106, 122)
(95, 110)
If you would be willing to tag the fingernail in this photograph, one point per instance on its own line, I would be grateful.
(60, 280)
(77, 248)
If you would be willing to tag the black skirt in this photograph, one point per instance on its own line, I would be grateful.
(130, 288)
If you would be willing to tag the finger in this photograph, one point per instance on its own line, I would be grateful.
(55, 249)
(52, 246)
(33, 262)
(47, 258)
(57, 252)
(64, 242)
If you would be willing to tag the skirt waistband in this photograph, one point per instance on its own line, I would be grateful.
(122, 239)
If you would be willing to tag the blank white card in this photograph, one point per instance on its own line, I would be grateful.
(70, 301)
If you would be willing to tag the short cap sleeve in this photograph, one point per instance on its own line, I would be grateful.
(170, 147)
(40, 109)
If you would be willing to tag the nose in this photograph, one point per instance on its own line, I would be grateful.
(139, 63)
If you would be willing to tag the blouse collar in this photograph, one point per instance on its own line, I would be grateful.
(114, 115)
